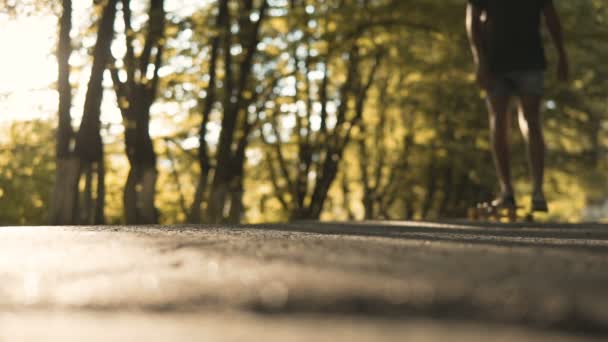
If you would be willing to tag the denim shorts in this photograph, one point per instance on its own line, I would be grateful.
(517, 83)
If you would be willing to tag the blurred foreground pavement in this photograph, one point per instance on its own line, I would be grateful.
(375, 281)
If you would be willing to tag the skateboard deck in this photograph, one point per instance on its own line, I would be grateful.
(486, 211)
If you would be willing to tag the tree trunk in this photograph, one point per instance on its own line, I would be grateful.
(130, 197)
(194, 215)
(101, 194)
(448, 185)
(217, 202)
(64, 203)
(235, 112)
(431, 187)
(147, 195)
(141, 187)
(88, 149)
(136, 96)
(63, 200)
(236, 203)
(64, 51)
(353, 87)
(87, 197)
(346, 197)
(221, 177)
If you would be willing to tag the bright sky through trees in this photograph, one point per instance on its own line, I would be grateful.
(28, 68)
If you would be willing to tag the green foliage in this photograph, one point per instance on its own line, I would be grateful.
(26, 172)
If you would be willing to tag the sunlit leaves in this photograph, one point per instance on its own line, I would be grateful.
(26, 172)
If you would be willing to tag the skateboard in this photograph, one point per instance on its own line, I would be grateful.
(486, 211)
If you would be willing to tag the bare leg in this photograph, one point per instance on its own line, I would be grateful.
(531, 129)
(500, 125)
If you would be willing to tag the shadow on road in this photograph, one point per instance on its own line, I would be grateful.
(592, 237)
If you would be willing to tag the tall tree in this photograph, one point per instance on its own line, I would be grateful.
(136, 93)
(63, 214)
(237, 97)
(206, 106)
(302, 179)
(220, 182)
(70, 204)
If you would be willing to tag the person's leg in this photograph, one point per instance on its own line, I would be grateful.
(500, 124)
(531, 129)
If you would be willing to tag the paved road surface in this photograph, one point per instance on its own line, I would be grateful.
(375, 281)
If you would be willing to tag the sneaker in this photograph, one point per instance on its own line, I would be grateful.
(504, 201)
(539, 204)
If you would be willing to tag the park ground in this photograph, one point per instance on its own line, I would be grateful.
(307, 281)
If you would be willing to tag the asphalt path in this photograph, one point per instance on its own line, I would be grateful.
(306, 281)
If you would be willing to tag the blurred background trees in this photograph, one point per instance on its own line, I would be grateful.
(271, 110)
